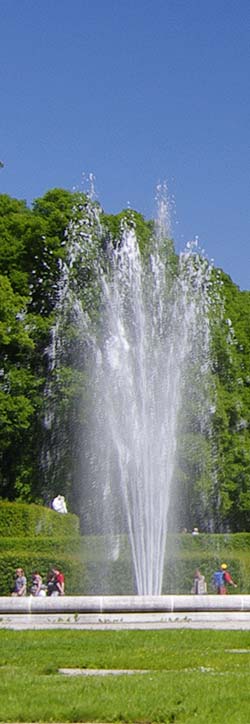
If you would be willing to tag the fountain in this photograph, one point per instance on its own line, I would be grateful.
(149, 359)
(154, 334)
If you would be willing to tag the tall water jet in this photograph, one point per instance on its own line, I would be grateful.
(154, 331)
(146, 355)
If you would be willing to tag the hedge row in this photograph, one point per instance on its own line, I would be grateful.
(71, 567)
(179, 573)
(34, 537)
(219, 544)
(39, 545)
(116, 577)
(20, 519)
(210, 541)
(184, 553)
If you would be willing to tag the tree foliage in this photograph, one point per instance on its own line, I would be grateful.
(44, 390)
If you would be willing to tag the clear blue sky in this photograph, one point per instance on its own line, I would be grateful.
(135, 92)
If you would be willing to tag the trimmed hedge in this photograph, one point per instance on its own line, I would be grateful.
(71, 567)
(179, 573)
(184, 553)
(21, 519)
(37, 538)
(34, 537)
(211, 541)
(40, 545)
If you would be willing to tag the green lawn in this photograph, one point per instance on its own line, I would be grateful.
(193, 676)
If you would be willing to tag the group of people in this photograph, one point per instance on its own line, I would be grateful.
(53, 587)
(221, 580)
(55, 583)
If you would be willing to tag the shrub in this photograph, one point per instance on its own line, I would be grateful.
(37, 538)
(71, 567)
(34, 537)
(21, 519)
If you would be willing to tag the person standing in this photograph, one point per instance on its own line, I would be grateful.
(20, 586)
(55, 585)
(59, 581)
(222, 578)
(199, 584)
(37, 588)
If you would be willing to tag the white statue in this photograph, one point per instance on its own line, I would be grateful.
(59, 505)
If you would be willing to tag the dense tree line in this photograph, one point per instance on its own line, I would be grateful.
(43, 403)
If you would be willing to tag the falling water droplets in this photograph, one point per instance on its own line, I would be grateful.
(146, 355)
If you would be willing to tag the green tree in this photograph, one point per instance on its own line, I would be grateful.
(231, 352)
(50, 257)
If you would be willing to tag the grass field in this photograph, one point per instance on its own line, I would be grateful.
(192, 676)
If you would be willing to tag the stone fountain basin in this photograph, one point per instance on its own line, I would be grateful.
(123, 604)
